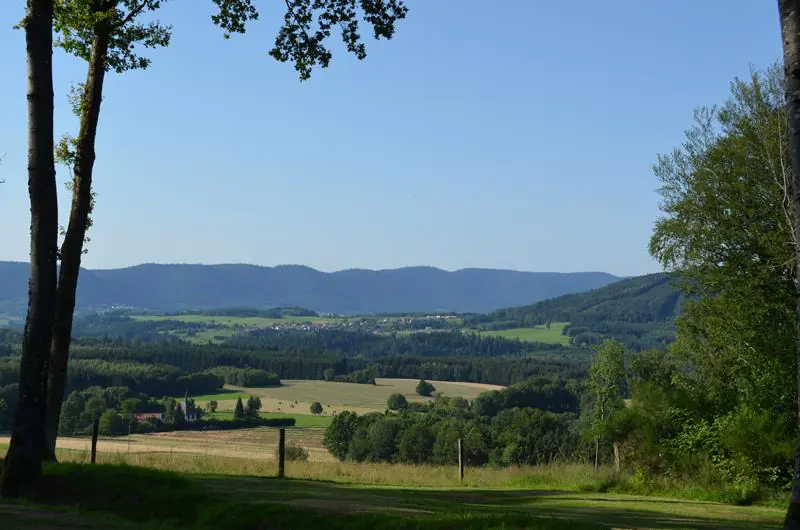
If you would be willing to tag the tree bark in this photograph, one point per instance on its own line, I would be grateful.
(790, 30)
(72, 247)
(23, 462)
(596, 454)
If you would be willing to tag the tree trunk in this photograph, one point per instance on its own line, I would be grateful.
(596, 455)
(616, 458)
(23, 462)
(72, 248)
(790, 26)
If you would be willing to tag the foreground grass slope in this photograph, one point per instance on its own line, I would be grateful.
(118, 496)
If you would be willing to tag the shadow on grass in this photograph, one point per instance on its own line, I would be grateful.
(158, 499)
(594, 508)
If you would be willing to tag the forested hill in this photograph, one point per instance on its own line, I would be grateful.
(639, 311)
(357, 291)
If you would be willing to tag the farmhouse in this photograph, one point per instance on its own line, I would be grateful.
(142, 416)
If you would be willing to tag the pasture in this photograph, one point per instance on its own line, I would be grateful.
(541, 333)
(296, 396)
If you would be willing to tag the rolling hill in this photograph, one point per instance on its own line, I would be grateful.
(157, 287)
(638, 311)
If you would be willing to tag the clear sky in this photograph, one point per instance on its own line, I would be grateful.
(515, 134)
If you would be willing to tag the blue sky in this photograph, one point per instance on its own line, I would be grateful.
(516, 134)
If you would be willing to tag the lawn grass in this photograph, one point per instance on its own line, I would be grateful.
(121, 494)
(550, 335)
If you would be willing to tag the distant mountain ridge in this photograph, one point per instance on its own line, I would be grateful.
(157, 287)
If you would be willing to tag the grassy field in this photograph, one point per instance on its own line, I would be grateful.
(296, 396)
(236, 467)
(254, 445)
(301, 420)
(119, 494)
(536, 334)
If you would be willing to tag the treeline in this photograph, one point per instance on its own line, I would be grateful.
(190, 358)
(109, 326)
(138, 378)
(371, 345)
(120, 411)
(276, 312)
(251, 377)
(511, 427)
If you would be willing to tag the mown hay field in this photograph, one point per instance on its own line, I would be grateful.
(295, 397)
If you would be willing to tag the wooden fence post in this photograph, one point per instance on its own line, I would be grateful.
(281, 452)
(460, 460)
(95, 428)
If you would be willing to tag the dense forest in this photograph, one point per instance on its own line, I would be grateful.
(531, 423)
(369, 345)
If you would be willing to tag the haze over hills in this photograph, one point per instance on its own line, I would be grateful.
(157, 287)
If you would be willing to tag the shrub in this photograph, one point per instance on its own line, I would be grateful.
(424, 388)
(316, 408)
(295, 453)
(397, 402)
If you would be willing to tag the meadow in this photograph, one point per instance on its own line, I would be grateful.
(216, 491)
(296, 396)
(551, 335)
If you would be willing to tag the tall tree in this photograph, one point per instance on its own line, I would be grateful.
(789, 11)
(104, 33)
(23, 462)
(726, 390)
(606, 379)
(238, 410)
(728, 233)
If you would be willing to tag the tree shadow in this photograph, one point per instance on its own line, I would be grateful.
(617, 511)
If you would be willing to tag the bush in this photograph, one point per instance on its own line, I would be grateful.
(253, 406)
(397, 402)
(294, 453)
(316, 408)
(112, 424)
(424, 388)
